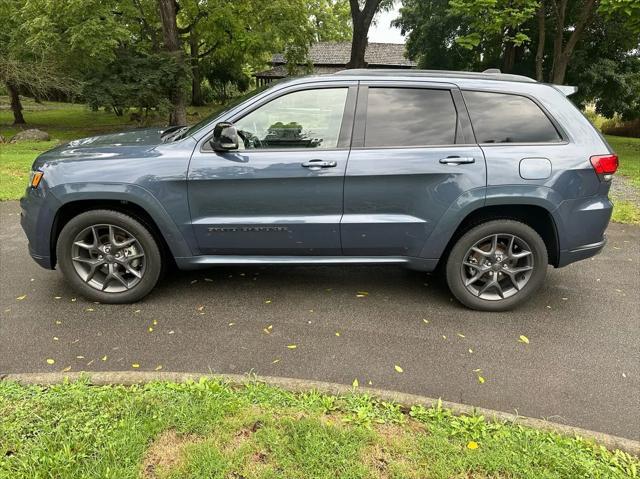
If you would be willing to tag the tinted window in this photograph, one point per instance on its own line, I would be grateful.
(302, 119)
(501, 118)
(410, 117)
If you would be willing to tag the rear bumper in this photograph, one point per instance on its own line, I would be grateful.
(583, 252)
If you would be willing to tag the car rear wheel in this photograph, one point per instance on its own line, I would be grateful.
(497, 265)
(109, 257)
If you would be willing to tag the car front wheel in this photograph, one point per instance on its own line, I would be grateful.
(109, 257)
(497, 265)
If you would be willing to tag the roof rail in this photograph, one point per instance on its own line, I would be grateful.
(491, 74)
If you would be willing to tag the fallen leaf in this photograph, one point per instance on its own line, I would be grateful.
(57, 297)
(398, 369)
(58, 322)
(444, 337)
(67, 369)
(194, 281)
(461, 335)
(481, 379)
(292, 346)
(426, 321)
(20, 298)
(232, 324)
(171, 332)
(104, 358)
(55, 338)
(136, 311)
(275, 361)
(208, 280)
(150, 329)
(158, 367)
(79, 357)
(355, 383)
(267, 301)
(90, 309)
(470, 351)
(155, 322)
(135, 365)
(50, 361)
(73, 300)
(337, 334)
(472, 445)
(523, 339)
(200, 308)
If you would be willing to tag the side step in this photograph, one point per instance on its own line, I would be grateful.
(204, 261)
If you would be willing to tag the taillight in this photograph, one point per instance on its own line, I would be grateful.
(604, 164)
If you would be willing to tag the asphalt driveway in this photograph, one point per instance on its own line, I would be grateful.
(581, 365)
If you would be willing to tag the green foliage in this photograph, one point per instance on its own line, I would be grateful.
(132, 80)
(493, 18)
(213, 429)
(331, 20)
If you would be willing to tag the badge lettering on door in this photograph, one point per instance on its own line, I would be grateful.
(247, 229)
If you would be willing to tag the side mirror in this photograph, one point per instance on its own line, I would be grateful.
(225, 137)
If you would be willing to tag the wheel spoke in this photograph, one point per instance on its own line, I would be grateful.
(512, 278)
(494, 244)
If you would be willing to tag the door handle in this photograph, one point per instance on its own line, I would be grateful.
(317, 164)
(457, 160)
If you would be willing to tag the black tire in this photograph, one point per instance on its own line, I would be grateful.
(152, 256)
(455, 271)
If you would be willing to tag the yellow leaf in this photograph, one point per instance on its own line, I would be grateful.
(150, 329)
(200, 308)
(20, 298)
(158, 367)
(104, 358)
(470, 351)
(266, 330)
(275, 361)
(472, 445)
(155, 322)
(50, 361)
(267, 301)
(337, 333)
(135, 365)
(292, 346)
(444, 337)
(73, 300)
(398, 368)
(58, 322)
(90, 309)
(232, 324)
(355, 383)
(79, 357)
(461, 335)
(426, 321)
(67, 369)
(55, 338)
(57, 297)
(480, 379)
(523, 339)
(136, 311)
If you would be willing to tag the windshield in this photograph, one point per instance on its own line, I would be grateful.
(217, 112)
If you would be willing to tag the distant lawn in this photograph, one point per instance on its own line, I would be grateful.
(209, 429)
(628, 150)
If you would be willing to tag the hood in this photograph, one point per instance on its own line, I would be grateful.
(127, 144)
(143, 136)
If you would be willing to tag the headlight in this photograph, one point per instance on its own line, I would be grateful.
(36, 177)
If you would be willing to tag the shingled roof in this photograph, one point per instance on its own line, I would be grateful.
(339, 53)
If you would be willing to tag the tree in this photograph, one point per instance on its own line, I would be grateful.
(168, 15)
(362, 13)
(331, 20)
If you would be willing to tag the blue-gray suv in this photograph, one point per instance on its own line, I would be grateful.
(492, 177)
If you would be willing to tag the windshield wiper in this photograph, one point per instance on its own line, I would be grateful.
(170, 133)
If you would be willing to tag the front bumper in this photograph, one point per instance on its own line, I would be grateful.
(38, 211)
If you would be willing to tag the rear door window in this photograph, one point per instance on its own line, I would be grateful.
(409, 117)
(503, 118)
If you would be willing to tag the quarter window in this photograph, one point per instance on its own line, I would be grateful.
(502, 118)
(302, 119)
(409, 117)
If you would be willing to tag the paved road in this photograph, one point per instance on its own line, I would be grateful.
(581, 367)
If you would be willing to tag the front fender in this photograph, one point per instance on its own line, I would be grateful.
(176, 235)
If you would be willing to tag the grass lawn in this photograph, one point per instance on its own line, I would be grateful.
(209, 429)
(64, 122)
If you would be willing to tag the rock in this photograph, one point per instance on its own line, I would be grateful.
(31, 135)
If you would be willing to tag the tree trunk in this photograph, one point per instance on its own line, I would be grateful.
(196, 75)
(168, 12)
(509, 59)
(541, 41)
(361, 20)
(359, 43)
(16, 105)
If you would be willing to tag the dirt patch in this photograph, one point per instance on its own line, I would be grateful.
(165, 453)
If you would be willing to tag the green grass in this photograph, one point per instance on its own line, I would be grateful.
(209, 429)
(628, 150)
(625, 212)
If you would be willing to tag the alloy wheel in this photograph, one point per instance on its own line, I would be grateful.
(108, 258)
